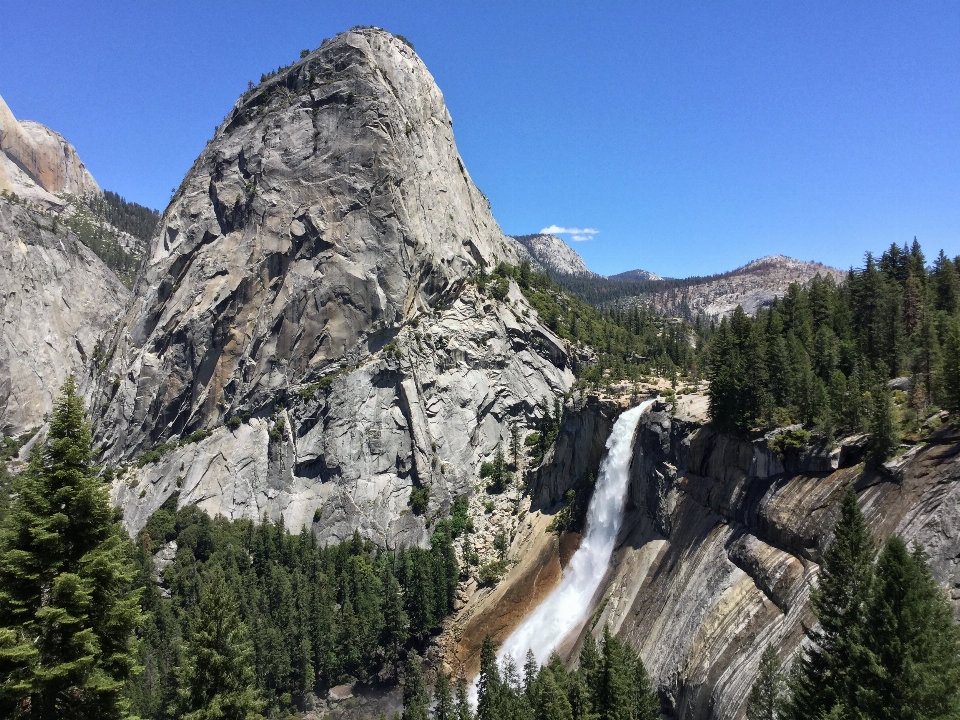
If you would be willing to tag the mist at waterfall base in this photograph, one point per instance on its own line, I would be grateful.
(568, 606)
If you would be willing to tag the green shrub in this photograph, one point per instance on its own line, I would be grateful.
(500, 288)
(486, 470)
(459, 519)
(309, 391)
(234, 422)
(152, 456)
(195, 437)
(787, 440)
(491, 573)
(419, 500)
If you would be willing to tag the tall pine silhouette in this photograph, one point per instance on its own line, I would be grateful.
(910, 664)
(67, 607)
(823, 676)
(217, 679)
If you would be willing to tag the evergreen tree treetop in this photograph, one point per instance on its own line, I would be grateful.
(910, 659)
(67, 605)
(823, 674)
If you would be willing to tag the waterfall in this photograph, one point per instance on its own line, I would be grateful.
(568, 606)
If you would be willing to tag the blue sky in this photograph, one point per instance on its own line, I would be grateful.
(692, 137)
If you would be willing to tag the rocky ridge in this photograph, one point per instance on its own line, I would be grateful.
(548, 253)
(38, 164)
(635, 276)
(752, 286)
(306, 316)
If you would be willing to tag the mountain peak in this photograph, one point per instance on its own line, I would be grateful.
(552, 254)
(329, 231)
(38, 164)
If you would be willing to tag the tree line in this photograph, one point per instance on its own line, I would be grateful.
(627, 344)
(316, 616)
(823, 355)
(250, 619)
(609, 683)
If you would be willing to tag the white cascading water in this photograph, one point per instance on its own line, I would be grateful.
(567, 607)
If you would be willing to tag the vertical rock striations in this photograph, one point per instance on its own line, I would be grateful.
(311, 278)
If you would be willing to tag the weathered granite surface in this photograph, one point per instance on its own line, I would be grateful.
(59, 302)
(326, 236)
(38, 164)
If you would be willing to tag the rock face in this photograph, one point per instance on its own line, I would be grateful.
(311, 277)
(578, 450)
(550, 253)
(720, 549)
(753, 286)
(38, 164)
(59, 302)
(635, 276)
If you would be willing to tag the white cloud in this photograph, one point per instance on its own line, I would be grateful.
(578, 234)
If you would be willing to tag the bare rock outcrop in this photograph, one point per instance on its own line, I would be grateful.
(548, 253)
(59, 302)
(722, 546)
(311, 278)
(38, 164)
(635, 276)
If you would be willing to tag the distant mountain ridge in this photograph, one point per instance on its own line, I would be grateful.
(635, 276)
(751, 286)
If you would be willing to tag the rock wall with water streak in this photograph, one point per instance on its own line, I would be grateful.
(721, 546)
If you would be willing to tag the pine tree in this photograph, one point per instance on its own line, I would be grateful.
(67, 605)
(951, 367)
(552, 701)
(463, 711)
(515, 444)
(395, 623)
(488, 683)
(530, 671)
(415, 698)
(884, 435)
(443, 707)
(766, 696)
(589, 665)
(822, 676)
(646, 703)
(217, 677)
(911, 659)
(614, 692)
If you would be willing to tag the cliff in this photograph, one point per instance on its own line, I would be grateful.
(38, 164)
(305, 314)
(722, 545)
(59, 302)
